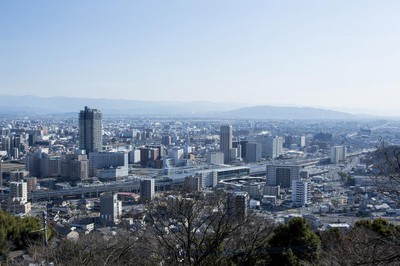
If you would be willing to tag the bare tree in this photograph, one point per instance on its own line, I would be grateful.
(200, 230)
(97, 249)
(386, 179)
(362, 246)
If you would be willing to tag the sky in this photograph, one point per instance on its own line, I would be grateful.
(334, 54)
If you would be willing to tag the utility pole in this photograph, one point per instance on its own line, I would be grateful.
(44, 217)
(1, 176)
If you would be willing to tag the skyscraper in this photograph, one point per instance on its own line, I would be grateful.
(90, 126)
(225, 141)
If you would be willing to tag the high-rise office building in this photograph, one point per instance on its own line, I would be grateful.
(90, 126)
(225, 142)
(253, 152)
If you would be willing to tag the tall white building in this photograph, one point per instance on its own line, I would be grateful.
(19, 190)
(301, 193)
(225, 141)
(338, 153)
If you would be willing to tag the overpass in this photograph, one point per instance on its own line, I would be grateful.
(95, 190)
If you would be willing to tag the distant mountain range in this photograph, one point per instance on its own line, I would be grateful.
(274, 112)
(70, 106)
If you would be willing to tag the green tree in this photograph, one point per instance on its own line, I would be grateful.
(294, 243)
(380, 226)
(17, 233)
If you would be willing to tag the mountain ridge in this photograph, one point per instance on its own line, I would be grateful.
(35, 105)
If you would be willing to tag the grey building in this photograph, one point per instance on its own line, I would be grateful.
(225, 141)
(282, 175)
(215, 157)
(272, 147)
(147, 189)
(237, 205)
(75, 167)
(90, 127)
(110, 208)
(108, 165)
(253, 152)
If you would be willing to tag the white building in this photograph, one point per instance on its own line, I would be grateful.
(108, 160)
(301, 193)
(134, 156)
(272, 147)
(19, 190)
(209, 179)
(338, 154)
(215, 157)
(176, 154)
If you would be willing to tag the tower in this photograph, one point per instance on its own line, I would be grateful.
(147, 189)
(225, 141)
(90, 126)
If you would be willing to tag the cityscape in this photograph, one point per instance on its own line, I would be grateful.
(92, 174)
(198, 133)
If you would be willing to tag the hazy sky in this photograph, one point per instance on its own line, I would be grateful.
(308, 53)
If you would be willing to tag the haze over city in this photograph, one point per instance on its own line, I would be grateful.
(340, 55)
